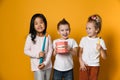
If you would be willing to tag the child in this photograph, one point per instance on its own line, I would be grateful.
(91, 47)
(34, 45)
(63, 65)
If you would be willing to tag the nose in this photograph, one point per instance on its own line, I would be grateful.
(65, 32)
(87, 30)
(39, 25)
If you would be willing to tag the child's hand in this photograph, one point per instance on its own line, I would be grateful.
(41, 66)
(98, 47)
(55, 51)
(41, 54)
(69, 48)
(83, 66)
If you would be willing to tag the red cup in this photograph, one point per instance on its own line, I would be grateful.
(62, 47)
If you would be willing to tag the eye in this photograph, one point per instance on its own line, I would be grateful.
(36, 23)
(41, 22)
(67, 29)
(62, 30)
(88, 28)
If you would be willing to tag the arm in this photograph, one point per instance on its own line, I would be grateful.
(54, 52)
(54, 48)
(102, 48)
(103, 54)
(49, 54)
(82, 63)
(102, 51)
(27, 48)
(74, 51)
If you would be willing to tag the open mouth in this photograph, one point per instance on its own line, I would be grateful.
(65, 35)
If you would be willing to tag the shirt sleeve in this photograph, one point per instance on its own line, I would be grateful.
(27, 48)
(74, 44)
(103, 44)
(81, 43)
(54, 44)
(49, 53)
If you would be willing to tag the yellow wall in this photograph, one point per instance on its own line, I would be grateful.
(15, 17)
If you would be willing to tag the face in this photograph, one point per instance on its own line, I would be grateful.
(91, 31)
(39, 25)
(64, 31)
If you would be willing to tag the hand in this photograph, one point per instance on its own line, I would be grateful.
(98, 47)
(55, 51)
(41, 66)
(83, 66)
(41, 54)
(69, 48)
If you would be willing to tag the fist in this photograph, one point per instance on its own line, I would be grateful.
(98, 47)
(41, 66)
(41, 54)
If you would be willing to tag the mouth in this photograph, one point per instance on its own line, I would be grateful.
(39, 28)
(65, 35)
(89, 33)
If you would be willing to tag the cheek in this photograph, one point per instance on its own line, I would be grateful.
(35, 27)
(68, 32)
(59, 32)
(87, 30)
(43, 25)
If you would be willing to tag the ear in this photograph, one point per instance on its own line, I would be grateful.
(97, 30)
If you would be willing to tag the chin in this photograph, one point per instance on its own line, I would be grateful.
(65, 37)
(89, 35)
(40, 31)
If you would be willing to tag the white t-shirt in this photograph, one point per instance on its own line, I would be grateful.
(90, 54)
(64, 62)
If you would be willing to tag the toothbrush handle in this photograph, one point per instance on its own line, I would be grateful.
(41, 60)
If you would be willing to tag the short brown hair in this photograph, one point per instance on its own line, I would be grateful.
(63, 21)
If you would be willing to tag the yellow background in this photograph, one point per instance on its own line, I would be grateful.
(15, 17)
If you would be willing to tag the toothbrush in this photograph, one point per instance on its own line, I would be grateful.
(98, 41)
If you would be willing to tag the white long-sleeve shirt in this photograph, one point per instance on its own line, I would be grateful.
(32, 50)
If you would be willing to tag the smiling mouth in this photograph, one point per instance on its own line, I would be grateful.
(88, 33)
(65, 35)
(39, 28)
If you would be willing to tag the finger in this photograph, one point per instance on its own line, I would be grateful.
(40, 67)
(83, 68)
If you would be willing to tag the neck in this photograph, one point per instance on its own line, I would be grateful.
(40, 34)
(93, 36)
(64, 38)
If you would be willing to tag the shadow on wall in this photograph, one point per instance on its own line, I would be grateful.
(76, 67)
(1, 78)
(108, 65)
(1, 1)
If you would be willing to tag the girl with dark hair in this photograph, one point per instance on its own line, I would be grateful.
(38, 45)
(91, 48)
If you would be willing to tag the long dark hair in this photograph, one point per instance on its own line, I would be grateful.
(32, 30)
